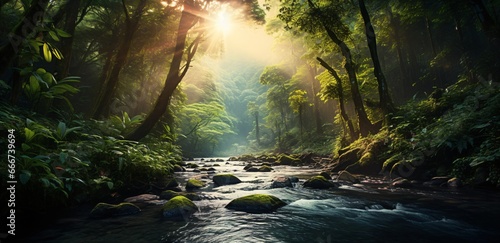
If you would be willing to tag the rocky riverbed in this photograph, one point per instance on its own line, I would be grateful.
(322, 207)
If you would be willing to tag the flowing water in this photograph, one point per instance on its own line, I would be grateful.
(365, 212)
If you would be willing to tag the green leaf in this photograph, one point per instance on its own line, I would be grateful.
(481, 126)
(57, 53)
(54, 36)
(25, 147)
(29, 134)
(24, 176)
(47, 54)
(62, 33)
(34, 86)
(61, 130)
(45, 182)
(63, 157)
(110, 185)
(35, 44)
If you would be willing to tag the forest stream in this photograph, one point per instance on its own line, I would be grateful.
(367, 212)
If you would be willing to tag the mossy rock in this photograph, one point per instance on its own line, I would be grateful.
(171, 183)
(326, 175)
(347, 158)
(265, 168)
(287, 160)
(256, 203)
(104, 210)
(178, 206)
(225, 179)
(318, 182)
(193, 184)
(169, 194)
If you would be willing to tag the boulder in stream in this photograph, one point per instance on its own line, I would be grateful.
(178, 206)
(256, 203)
(265, 168)
(169, 194)
(104, 210)
(281, 181)
(225, 179)
(318, 182)
(252, 169)
(402, 183)
(287, 160)
(346, 176)
(193, 184)
(326, 175)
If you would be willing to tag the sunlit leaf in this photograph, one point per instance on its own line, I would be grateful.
(47, 54)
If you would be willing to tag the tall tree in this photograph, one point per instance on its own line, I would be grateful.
(176, 72)
(298, 99)
(131, 25)
(71, 10)
(338, 90)
(385, 100)
(253, 108)
(326, 19)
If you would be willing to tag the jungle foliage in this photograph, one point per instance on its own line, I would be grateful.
(106, 96)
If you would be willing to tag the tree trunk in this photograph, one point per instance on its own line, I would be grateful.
(365, 126)
(257, 129)
(174, 76)
(131, 26)
(340, 92)
(395, 26)
(317, 114)
(72, 10)
(301, 122)
(385, 100)
(492, 32)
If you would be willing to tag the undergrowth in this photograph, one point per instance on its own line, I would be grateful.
(73, 160)
(453, 134)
